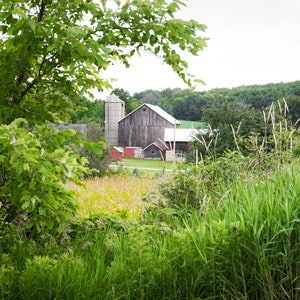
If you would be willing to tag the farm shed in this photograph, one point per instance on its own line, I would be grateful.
(144, 126)
(182, 139)
(116, 153)
(133, 152)
(155, 151)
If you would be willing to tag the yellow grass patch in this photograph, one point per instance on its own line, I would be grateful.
(112, 194)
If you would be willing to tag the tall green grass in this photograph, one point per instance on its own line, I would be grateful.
(247, 247)
(252, 242)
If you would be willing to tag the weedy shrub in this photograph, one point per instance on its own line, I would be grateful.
(296, 151)
(95, 151)
(33, 167)
(39, 278)
(198, 187)
(97, 162)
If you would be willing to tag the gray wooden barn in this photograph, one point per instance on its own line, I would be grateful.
(144, 126)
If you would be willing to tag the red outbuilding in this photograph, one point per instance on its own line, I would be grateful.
(133, 152)
(116, 153)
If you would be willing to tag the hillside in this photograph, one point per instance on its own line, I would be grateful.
(187, 104)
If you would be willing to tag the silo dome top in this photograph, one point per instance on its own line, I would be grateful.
(113, 99)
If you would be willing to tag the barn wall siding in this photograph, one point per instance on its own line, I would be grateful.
(142, 128)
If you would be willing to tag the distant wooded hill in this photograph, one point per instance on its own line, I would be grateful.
(187, 104)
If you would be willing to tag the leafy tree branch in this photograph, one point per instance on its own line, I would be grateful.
(52, 52)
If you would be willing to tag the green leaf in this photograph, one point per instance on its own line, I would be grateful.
(26, 167)
(145, 37)
(153, 40)
(42, 211)
(199, 81)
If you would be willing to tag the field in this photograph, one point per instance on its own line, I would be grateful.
(145, 166)
(192, 124)
(113, 195)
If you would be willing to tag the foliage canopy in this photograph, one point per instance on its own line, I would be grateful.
(52, 50)
(51, 53)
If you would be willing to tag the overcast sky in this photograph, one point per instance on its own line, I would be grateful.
(251, 42)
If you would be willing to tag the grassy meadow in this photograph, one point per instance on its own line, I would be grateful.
(113, 194)
(192, 124)
(151, 167)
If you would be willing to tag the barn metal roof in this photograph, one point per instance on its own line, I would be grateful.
(159, 111)
(157, 145)
(163, 113)
(182, 134)
(119, 149)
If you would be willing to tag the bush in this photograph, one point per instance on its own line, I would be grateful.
(34, 165)
(98, 161)
(95, 150)
(194, 187)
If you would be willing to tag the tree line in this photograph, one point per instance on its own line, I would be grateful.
(186, 104)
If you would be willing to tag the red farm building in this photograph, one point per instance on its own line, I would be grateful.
(116, 153)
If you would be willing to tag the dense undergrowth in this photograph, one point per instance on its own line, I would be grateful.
(242, 242)
(226, 229)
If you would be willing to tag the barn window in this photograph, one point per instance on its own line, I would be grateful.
(152, 152)
(144, 110)
(179, 153)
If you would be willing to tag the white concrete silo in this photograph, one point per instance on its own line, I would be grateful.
(114, 112)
